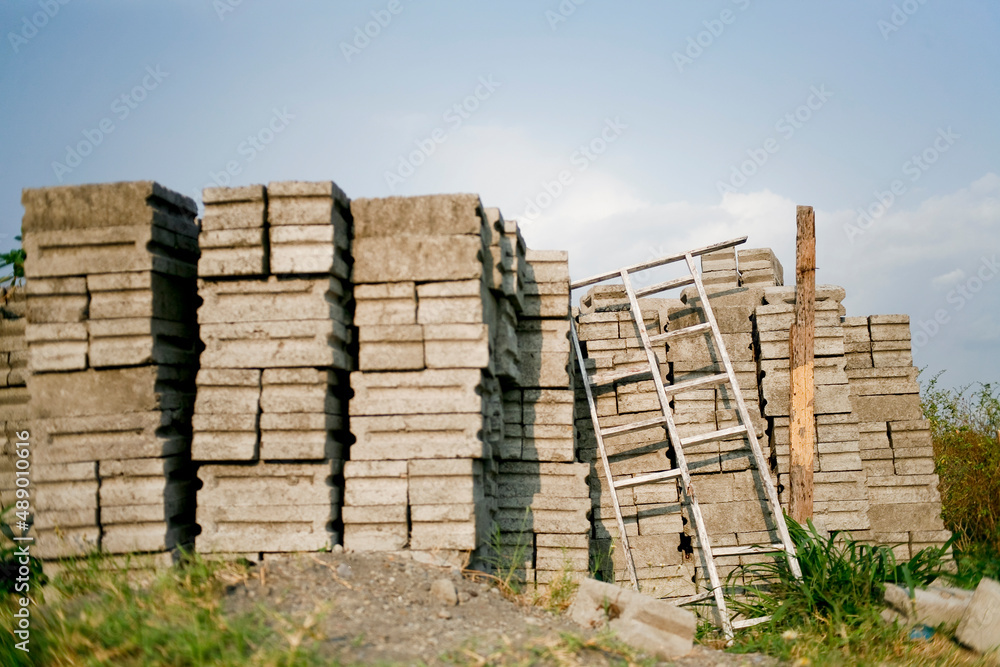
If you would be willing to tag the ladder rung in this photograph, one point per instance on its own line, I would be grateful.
(647, 479)
(709, 380)
(680, 333)
(713, 436)
(748, 622)
(665, 285)
(747, 550)
(635, 426)
(608, 378)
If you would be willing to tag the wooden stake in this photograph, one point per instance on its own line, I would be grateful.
(802, 426)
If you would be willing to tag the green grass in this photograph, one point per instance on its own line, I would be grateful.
(94, 614)
(832, 614)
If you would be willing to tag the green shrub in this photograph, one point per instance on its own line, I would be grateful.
(964, 425)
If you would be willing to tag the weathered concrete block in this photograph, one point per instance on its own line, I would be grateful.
(648, 624)
(406, 437)
(140, 342)
(375, 536)
(106, 392)
(980, 626)
(419, 258)
(933, 606)
(265, 485)
(270, 300)
(76, 207)
(299, 390)
(385, 304)
(307, 249)
(145, 294)
(264, 529)
(432, 215)
(134, 435)
(282, 344)
(432, 391)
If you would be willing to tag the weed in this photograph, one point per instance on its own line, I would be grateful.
(508, 561)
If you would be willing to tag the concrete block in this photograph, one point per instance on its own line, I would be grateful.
(150, 434)
(309, 210)
(103, 392)
(646, 623)
(234, 215)
(107, 204)
(243, 301)
(431, 391)
(229, 262)
(979, 628)
(312, 392)
(933, 606)
(432, 215)
(456, 345)
(385, 304)
(284, 344)
(887, 408)
(375, 536)
(142, 294)
(265, 485)
(307, 249)
(423, 259)
(141, 341)
(405, 437)
(264, 529)
(329, 189)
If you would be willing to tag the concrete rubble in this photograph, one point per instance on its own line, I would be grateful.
(650, 625)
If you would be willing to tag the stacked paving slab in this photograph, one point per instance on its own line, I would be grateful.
(653, 521)
(862, 483)
(427, 406)
(270, 429)
(544, 496)
(462, 403)
(895, 440)
(14, 407)
(840, 499)
(112, 341)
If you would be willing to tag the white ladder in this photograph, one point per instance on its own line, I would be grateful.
(666, 420)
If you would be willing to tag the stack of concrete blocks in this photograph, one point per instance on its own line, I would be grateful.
(896, 447)
(14, 407)
(652, 514)
(427, 405)
(270, 429)
(726, 481)
(112, 340)
(840, 499)
(544, 503)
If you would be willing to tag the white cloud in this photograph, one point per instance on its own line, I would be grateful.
(948, 279)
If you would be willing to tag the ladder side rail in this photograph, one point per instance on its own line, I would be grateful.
(688, 488)
(604, 456)
(669, 259)
(762, 465)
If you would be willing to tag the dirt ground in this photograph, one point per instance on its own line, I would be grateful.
(388, 609)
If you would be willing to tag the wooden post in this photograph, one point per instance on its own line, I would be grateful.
(802, 422)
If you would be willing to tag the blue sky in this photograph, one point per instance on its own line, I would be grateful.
(669, 125)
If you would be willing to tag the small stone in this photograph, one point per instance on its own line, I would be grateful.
(445, 614)
(344, 571)
(463, 597)
(338, 548)
(444, 590)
